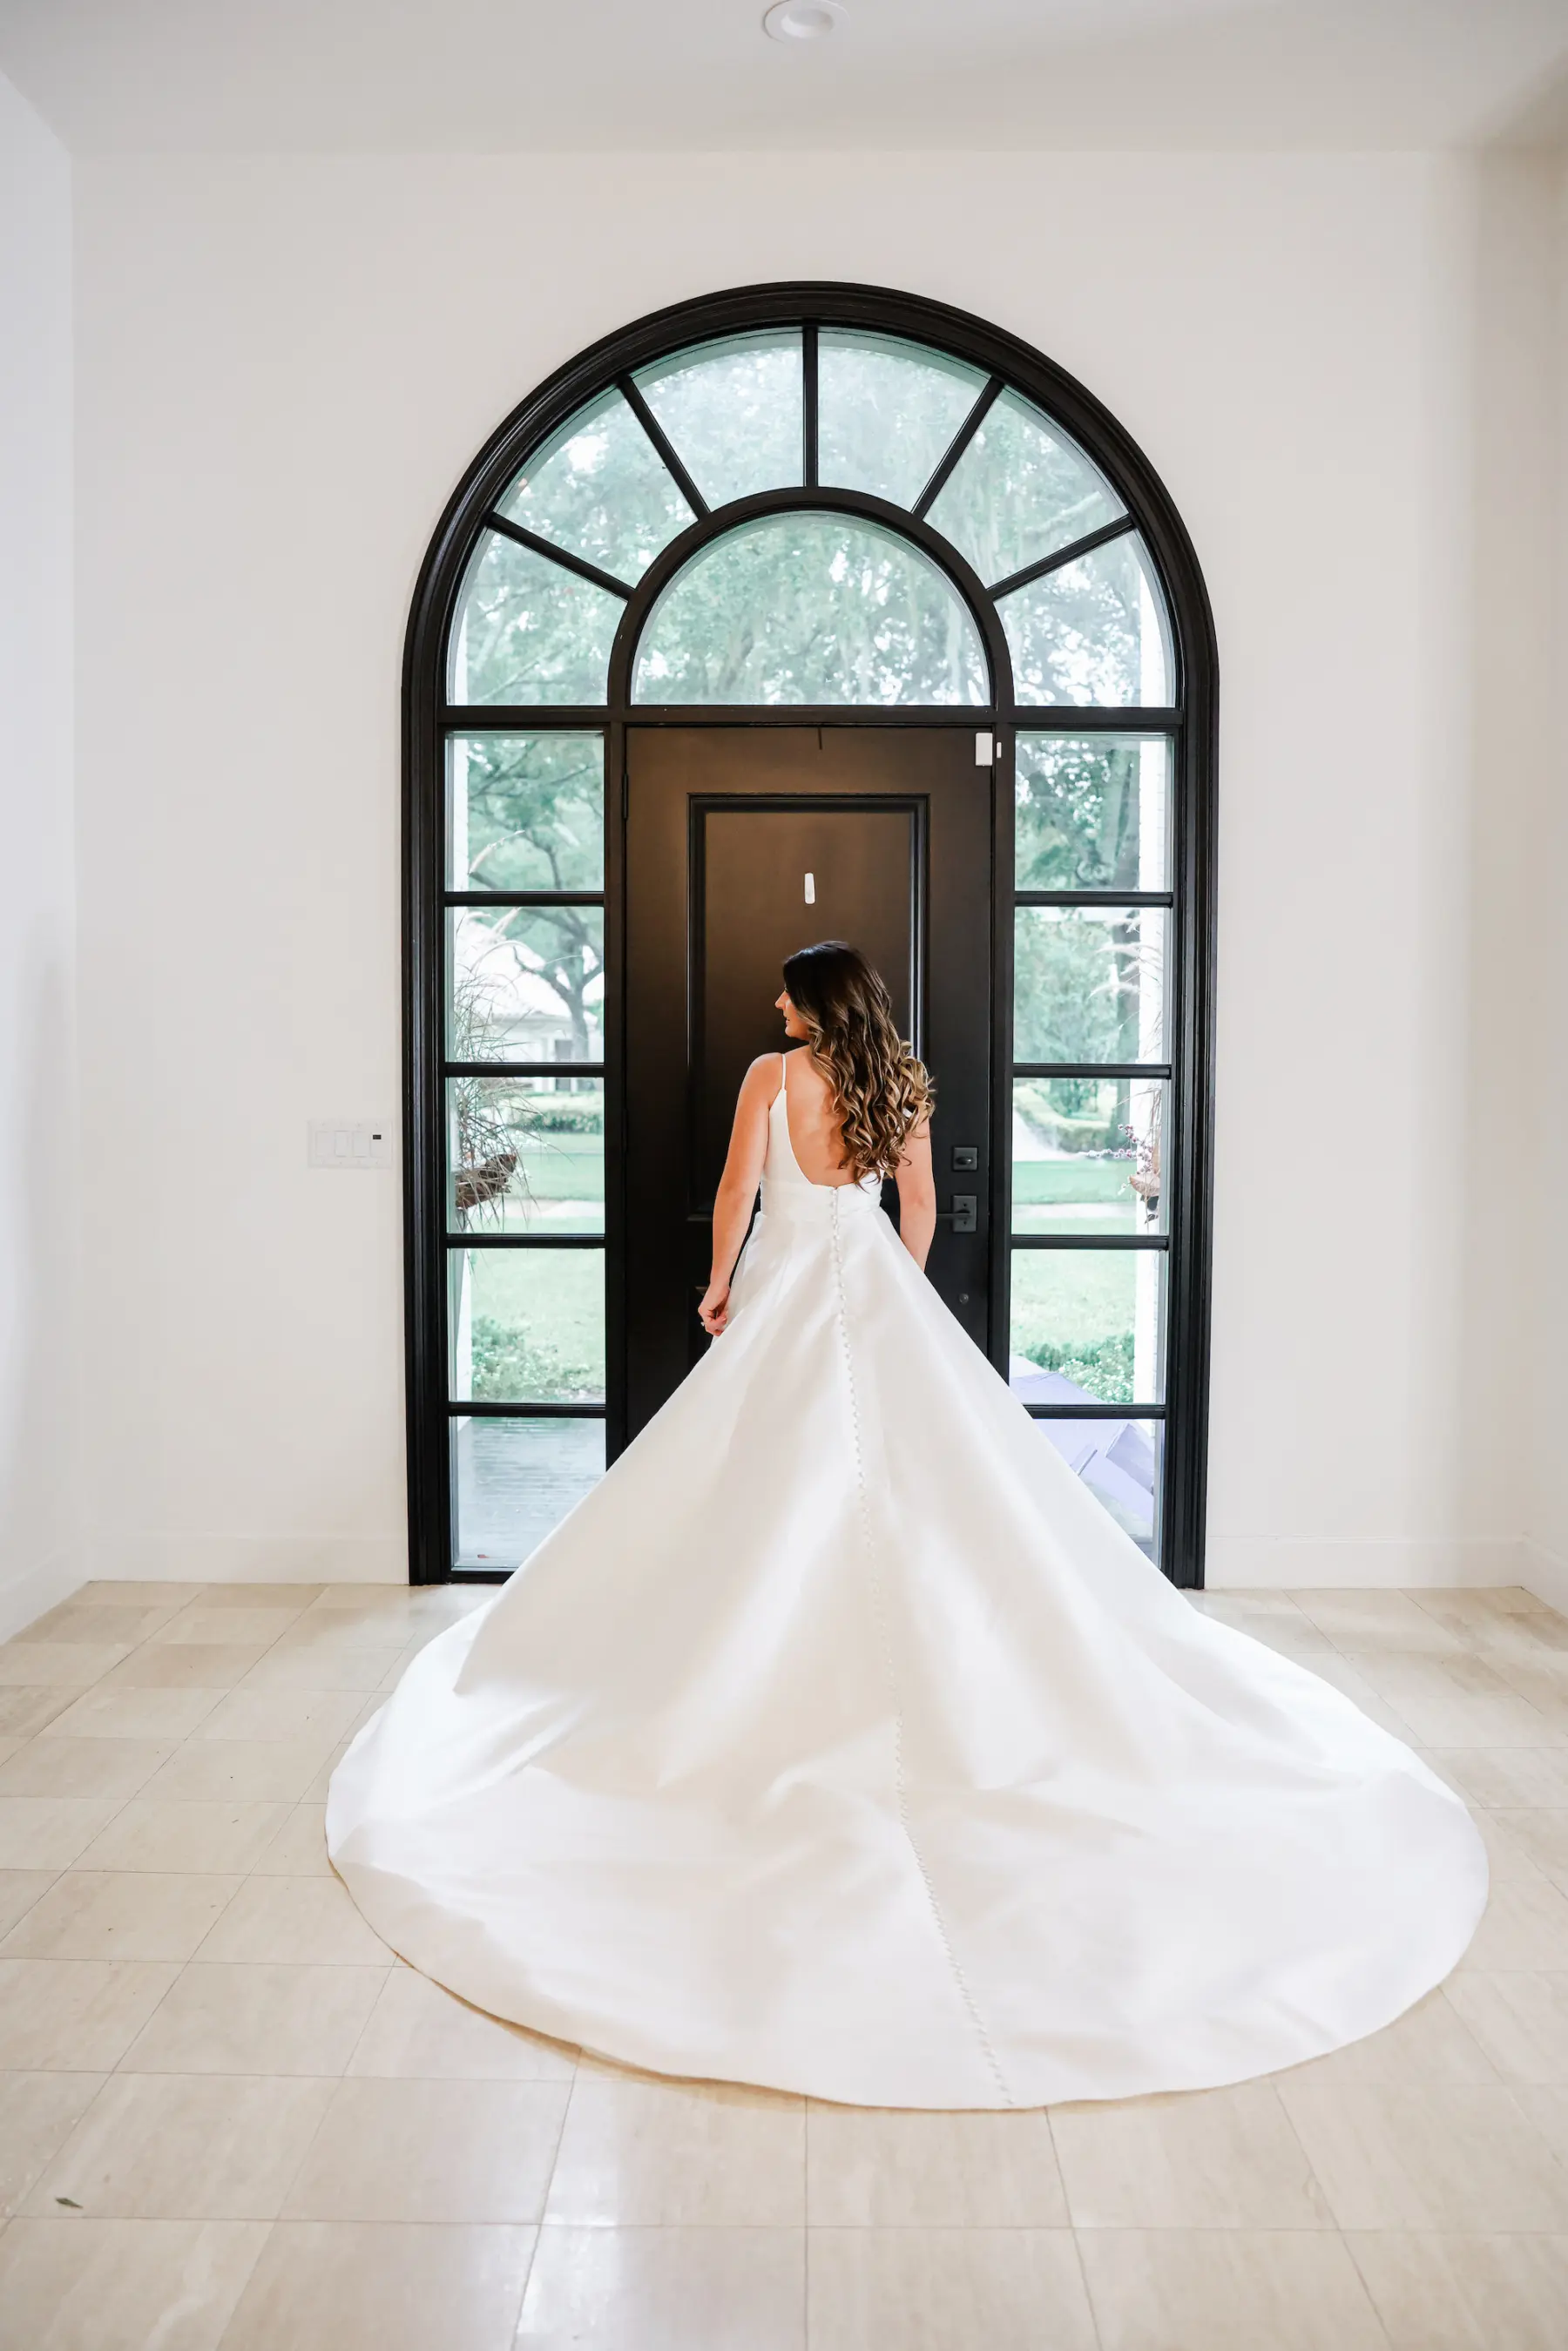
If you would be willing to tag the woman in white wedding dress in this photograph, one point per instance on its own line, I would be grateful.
(840, 1742)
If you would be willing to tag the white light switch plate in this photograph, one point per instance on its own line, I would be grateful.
(349, 1142)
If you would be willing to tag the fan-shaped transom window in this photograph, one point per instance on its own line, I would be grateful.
(600, 489)
(812, 608)
(824, 515)
(804, 605)
(888, 412)
(734, 412)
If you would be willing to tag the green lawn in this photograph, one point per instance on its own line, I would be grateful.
(537, 1324)
(1073, 1196)
(1074, 1312)
(558, 1180)
(564, 1177)
(1073, 1179)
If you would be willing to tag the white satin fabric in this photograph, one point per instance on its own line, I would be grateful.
(840, 1742)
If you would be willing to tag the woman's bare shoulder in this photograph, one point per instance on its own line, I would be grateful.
(765, 1076)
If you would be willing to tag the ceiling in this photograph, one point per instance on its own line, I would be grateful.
(506, 76)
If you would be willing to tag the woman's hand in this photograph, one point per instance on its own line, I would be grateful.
(714, 1311)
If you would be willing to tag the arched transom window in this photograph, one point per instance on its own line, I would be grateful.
(853, 508)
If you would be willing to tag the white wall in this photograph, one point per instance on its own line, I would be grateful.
(1543, 300)
(40, 1553)
(284, 366)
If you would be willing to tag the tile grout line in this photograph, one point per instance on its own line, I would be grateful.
(1073, 2228)
(32, 1906)
(806, 2225)
(544, 2201)
(1272, 2081)
(1375, 2307)
(262, 2243)
(1089, 2301)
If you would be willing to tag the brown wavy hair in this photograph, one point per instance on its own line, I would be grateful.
(879, 1091)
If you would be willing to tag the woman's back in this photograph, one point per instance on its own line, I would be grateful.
(814, 1131)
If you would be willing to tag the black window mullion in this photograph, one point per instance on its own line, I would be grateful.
(1096, 1411)
(551, 553)
(1100, 898)
(529, 898)
(596, 717)
(809, 404)
(1095, 718)
(524, 718)
(1091, 1070)
(483, 1240)
(1155, 1242)
(984, 402)
(524, 1410)
(1062, 556)
(522, 1068)
(670, 457)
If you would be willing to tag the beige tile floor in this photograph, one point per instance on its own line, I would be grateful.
(229, 2118)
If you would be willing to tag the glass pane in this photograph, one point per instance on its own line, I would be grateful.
(525, 1155)
(600, 488)
(887, 411)
(1087, 1154)
(530, 630)
(1021, 490)
(516, 1479)
(1093, 812)
(1123, 1461)
(733, 410)
(1093, 632)
(1088, 1326)
(527, 983)
(526, 1326)
(524, 812)
(810, 608)
(1089, 985)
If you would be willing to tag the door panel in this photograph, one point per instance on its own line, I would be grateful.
(750, 884)
(722, 824)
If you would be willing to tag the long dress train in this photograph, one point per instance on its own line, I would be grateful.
(840, 1742)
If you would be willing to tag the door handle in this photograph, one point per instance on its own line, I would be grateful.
(963, 1214)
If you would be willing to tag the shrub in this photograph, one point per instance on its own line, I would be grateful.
(508, 1364)
(1104, 1366)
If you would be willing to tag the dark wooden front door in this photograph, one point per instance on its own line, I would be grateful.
(743, 843)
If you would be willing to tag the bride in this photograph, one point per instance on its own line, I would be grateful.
(840, 1742)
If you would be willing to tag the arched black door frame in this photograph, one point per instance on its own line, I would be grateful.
(1191, 720)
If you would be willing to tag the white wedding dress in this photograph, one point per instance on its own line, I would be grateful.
(840, 1742)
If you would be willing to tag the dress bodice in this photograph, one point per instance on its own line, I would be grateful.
(788, 1191)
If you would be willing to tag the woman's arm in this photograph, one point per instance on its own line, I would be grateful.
(917, 1195)
(737, 1186)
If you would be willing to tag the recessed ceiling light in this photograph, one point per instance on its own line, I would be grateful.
(804, 20)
